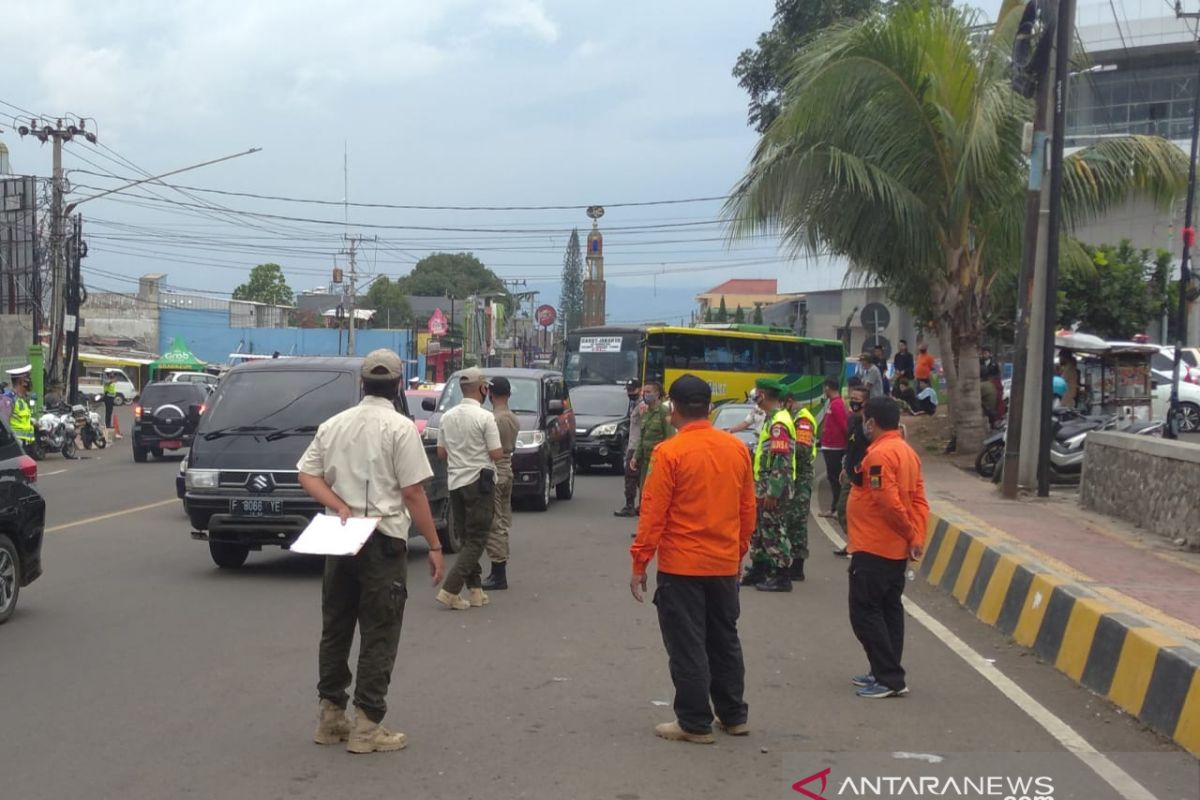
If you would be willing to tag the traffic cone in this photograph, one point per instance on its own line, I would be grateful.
(117, 426)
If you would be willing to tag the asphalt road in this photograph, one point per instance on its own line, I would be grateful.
(135, 669)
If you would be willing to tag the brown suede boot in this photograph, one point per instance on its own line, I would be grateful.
(332, 726)
(372, 737)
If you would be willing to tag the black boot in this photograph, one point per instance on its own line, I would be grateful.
(627, 511)
(754, 575)
(796, 571)
(778, 582)
(498, 580)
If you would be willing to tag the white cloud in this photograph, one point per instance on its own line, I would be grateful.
(522, 15)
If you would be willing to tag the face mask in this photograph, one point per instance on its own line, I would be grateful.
(855, 405)
(649, 397)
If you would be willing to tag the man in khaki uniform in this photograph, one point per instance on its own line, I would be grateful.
(368, 461)
(509, 427)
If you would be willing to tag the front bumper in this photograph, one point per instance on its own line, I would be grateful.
(590, 452)
(528, 468)
(212, 520)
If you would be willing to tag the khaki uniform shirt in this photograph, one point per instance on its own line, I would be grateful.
(367, 454)
(509, 427)
(468, 435)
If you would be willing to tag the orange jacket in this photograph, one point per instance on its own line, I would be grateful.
(698, 507)
(924, 368)
(888, 512)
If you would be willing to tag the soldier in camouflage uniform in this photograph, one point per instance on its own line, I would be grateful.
(806, 453)
(774, 477)
(656, 427)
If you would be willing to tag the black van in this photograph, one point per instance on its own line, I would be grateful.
(242, 489)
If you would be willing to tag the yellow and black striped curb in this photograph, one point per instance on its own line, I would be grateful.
(1149, 672)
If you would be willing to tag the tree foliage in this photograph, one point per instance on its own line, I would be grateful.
(722, 311)
(899, 147)
(266, 285)
(758, 314)
(450, 274)
(1126, 295)
(739, 315)
(570, 298)
(391, 304)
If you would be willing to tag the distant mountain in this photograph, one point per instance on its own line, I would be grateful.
(629, 304)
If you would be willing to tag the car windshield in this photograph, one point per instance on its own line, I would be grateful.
(600, 402)
(728, 416)
(524, 399)
(414, 404)
(272, 400)
(172, 394)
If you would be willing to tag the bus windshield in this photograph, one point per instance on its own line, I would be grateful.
(602, 358)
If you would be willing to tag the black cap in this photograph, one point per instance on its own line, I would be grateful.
(690, 392)
(632, 383)
(501, 387)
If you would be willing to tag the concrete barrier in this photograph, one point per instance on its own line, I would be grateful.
(1151, 482)
(1150, 672)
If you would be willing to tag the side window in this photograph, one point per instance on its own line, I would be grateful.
(774, 357)
(834, 361)
(655, 357)
(684, 352)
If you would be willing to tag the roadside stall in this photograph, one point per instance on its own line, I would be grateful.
(1114, 377)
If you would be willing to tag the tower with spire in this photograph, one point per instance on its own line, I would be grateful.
(594, 291)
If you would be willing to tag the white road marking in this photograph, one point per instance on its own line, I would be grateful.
(102, 517)
(1120, 780)
(48, 474)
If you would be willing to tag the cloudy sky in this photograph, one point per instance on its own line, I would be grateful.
(436, 103)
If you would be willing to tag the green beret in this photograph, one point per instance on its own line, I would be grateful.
(769, 384)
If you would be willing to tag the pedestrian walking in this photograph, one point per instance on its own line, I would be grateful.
(632, 477)
(656, 427)
(834, 430)
(774, 478)
(798, 509)
(368, 461)
(497, 543)
(888, 513)
(856, 448)
(20, 419)
(699, 516)
(469, 441)
(871, 377)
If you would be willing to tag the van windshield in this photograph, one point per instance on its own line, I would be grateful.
(263, 401)
(524, 399)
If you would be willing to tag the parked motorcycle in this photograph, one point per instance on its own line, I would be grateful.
(90, 427)
(1070, 431)
(54, 432)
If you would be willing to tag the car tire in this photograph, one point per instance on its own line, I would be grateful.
(1189, 418)
(139, 454)
(566, 489)
(10, 578)
(451, 541)
(542, 501)
(228, 556)
(119, 400)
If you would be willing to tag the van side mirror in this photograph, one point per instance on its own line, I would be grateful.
(556, 407)
(429, 404)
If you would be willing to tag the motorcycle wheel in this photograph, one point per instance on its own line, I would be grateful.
(101, 442)
(88, 440)
(35, 450)
(989, 459)
(68, 449)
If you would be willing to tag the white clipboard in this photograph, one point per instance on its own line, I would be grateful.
(327, 536)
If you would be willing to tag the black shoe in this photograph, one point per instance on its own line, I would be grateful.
(498, 580)
(627, 511)
(843, 553)
(796, 571)
(754, 575)
(779, 582)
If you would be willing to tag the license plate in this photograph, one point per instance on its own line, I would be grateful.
(170, 445)
(253, 507)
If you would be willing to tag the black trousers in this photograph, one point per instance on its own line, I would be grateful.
(108, 401)
(833, 473)
(877, 616)
(632, 476)
(368, 590)
(698, 618)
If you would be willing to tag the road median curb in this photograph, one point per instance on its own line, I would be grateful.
(1151, 673)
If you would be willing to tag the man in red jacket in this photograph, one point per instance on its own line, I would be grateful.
(834, 430)
(698, 513)
(887, 516)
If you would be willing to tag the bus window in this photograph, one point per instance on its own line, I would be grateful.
(684, 352)
(835, 362)
(785, 358)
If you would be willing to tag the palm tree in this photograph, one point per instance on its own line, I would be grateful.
(899, 147)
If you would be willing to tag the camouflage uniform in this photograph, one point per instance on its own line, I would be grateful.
(806, 431)
(655, 428)
(774, 468)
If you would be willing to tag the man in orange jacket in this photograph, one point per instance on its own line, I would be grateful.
(698, 513)
(887, 515)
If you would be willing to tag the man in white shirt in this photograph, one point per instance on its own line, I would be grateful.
(368, 461)
(470, 442)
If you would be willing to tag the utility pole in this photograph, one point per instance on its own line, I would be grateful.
(74, 300)
(1062, 63)
(353, 289)
(1185, 272)
(1021, 441)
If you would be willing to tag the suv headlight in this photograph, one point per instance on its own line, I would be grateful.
(529, 440)
(430, 434)
(608, 429)
(201, 478)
